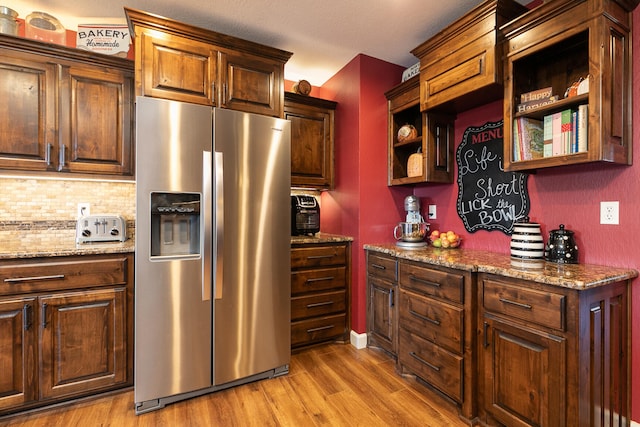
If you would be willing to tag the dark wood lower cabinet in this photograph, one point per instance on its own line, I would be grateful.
(66, 328)
(552, 356)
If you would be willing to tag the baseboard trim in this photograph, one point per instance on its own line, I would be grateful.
(359, 341)
(635, 424)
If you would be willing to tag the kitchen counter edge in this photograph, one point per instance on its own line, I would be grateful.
(573, 276)
(320, 238)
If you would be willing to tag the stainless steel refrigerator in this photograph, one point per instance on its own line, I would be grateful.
(212, 269)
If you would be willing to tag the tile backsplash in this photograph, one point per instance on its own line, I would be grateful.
(34, 200)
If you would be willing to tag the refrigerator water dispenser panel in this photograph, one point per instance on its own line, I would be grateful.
(175, 224)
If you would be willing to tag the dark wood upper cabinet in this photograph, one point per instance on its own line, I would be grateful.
(554, 45)
(182, 62)
(64, 110)
(312, 140)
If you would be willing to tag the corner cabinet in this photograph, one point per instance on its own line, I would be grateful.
(312, 140)
(382, 306)
(71, 328)
(64, 110)
(552, 356)
(185, 63)
(433, 143)
(553, 46)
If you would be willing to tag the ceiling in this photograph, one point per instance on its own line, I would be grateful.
(323, 35)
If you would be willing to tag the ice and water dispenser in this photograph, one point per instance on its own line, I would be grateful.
(175, 224)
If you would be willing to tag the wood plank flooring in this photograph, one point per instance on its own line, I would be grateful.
(331, 385)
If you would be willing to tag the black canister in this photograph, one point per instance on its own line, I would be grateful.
(561, 247)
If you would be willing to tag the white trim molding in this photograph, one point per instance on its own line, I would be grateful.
(359, 341)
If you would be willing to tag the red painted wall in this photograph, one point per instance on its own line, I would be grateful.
(361, 206)
(364, 207)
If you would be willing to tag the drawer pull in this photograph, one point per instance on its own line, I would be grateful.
(320, 256)
(424, 362)
(319, 304)
(425, 318)
(424, 281)
(319, 279)
(321, 328)
(378, 266)
(34, 278)
(517, 304)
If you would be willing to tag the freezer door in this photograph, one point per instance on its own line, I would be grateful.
(173, 308)
(252, 279)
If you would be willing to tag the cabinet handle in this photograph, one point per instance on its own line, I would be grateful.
(33, 278)
(213, 91)
(319, 279)
(319, 304)
(378, 266)
(61, 164)
(424, 362)
(321, 328)
(320, 256)
(424, 281)
(391, 298)
(43, 315)
(485, 333)
(428, 319)
(517, 304)
(27, 317)
(47, 154)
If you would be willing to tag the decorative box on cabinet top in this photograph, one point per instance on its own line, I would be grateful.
(461, 67)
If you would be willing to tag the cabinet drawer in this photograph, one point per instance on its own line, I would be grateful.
(318, 256)
(317, 280)
(433, 364)
(433, 320)
(55, 274)
(318, 304)
(540, 307)
(319, 329)
(436, 283)
(383, 267)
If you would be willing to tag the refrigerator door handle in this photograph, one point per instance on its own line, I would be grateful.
(206, 225)
(219, 222)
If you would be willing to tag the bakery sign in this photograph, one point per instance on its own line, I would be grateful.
(488, 197)
(110, 39)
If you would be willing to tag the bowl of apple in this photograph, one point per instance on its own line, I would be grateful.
(445, 239)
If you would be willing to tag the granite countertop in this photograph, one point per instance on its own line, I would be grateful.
(49, 243)
(574, 276)
(320, 238)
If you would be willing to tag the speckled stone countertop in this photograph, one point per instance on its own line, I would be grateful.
(320, 238)
(574, 276)
(50, 243)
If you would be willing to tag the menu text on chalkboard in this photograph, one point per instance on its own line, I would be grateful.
(488, 197)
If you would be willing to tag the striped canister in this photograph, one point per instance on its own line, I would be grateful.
(526, 241)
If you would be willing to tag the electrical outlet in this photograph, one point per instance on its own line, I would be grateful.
(610, 213)
(432, 211)
(84, 209)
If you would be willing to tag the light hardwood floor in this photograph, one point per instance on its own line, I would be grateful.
(331, 385)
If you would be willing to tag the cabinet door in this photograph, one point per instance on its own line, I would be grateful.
(96, 123)
(17, 352)
(177, 68)
(524, 373)
(27, 112)
(83, 341)
(251, 84)
(311, 146)
(381, 314)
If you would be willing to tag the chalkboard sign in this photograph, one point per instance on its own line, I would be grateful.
(488, 197)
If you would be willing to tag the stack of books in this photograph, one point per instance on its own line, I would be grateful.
(557, 134)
